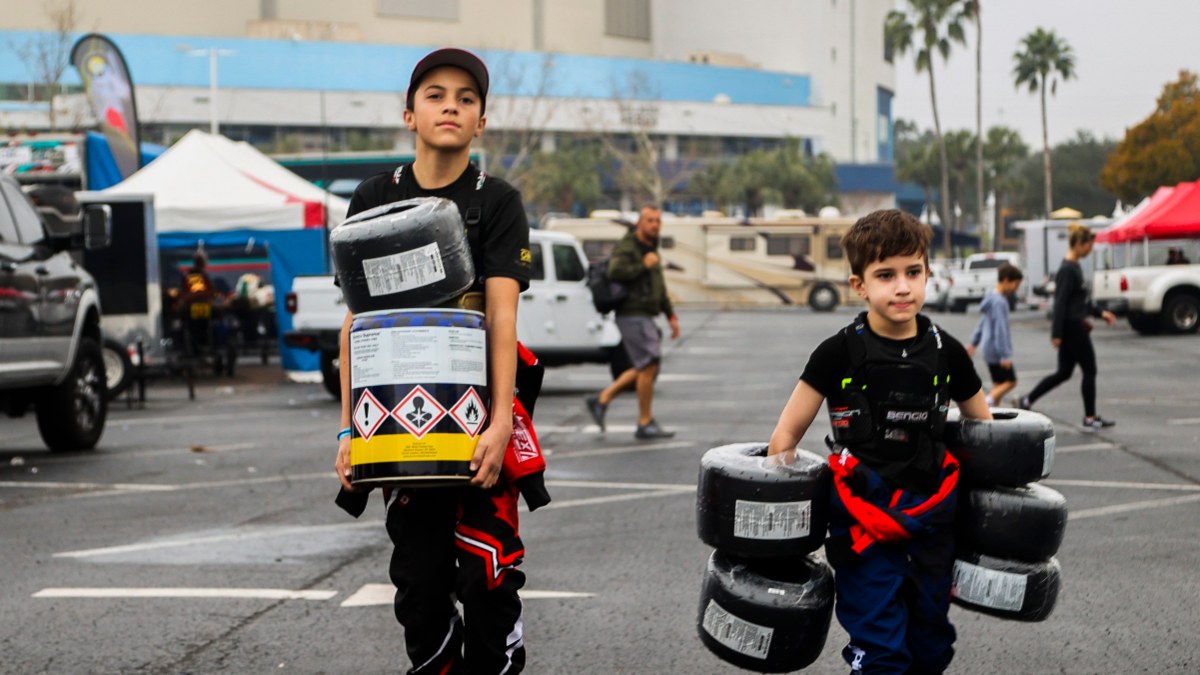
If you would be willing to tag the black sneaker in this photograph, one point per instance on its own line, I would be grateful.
(652, 431)
(1024, 403)
(597, 409)
(1096, 422)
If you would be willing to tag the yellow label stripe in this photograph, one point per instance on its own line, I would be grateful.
(405, 448)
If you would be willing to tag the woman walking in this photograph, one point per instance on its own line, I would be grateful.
(1070, 331)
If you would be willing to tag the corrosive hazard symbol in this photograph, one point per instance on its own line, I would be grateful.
(469, 412)
(368, 415)
(418, 412)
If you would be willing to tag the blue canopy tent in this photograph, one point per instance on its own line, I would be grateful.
(102, 169)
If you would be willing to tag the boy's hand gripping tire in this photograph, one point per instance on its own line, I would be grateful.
(1025, 523)
(749, 505)
(1009, 589)
(1015, 448)
(766, 616)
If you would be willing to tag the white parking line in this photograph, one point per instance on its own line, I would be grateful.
(235, 593)
(618, 450)
(620, 486)
(60, 485)
(1183, 421)
(1084, 447)
(209, 418)
(1133, 506)
(140, 454)
(592, 501)
(385, 594)
(1180, 487)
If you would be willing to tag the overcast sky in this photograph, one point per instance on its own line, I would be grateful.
(1125, 51)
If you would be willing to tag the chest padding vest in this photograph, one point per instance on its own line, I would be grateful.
(895, 403)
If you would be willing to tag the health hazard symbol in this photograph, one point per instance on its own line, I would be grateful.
(418, 412)
(368, 415)
(469, 412)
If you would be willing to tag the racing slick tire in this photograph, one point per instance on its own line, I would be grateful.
(766, 616)
(1013, 449)
(749, 505)
(1025, 523)
(1008, 589)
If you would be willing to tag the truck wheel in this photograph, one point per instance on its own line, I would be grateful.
(331, 375)
(1025, 523)
(1181, 313)
(1014, 448)
(823, 298)
(1145, 324)
(118, 369)
(1009, 589)
(750, 506)
(766, 616)
(70, 415)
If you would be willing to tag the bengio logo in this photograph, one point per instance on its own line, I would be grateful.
(907, 416)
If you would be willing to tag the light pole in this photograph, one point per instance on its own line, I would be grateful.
(212, 53)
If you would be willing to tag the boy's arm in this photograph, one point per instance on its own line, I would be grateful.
(802, 407)
(342, 466)
(500, 317)
(975, 407)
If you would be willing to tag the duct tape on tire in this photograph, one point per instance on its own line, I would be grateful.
(1009, 589)
(766, 616)
(751, 505)
(1014, 448)
(1025, 523)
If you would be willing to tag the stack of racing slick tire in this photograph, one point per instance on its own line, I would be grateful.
(1008, 527)
(766, 602)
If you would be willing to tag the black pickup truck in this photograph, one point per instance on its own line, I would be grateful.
(50, 319)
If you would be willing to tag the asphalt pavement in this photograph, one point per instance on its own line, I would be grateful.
(201, 537)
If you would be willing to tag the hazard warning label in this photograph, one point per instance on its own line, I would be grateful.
(469, 412)
(368, 415)
(418, 412)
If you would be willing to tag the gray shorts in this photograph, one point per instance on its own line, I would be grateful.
(642, 338)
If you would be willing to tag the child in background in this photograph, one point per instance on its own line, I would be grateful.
(994, 333)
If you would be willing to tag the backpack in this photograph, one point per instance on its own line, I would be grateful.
(607, 295)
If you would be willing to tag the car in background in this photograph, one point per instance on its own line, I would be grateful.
(937, 287)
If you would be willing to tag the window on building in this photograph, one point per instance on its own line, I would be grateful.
(627, 18)
(598, 249)
(567, 266)
(419, 9)
(741, 243)
(833, 249)
(788, 244)
(888, 49)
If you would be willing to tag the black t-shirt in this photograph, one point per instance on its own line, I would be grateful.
(498, 234)
(830, 363)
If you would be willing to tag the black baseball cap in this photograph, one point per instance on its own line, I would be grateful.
(458, 58)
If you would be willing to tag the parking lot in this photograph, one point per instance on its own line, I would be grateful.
(202, 536)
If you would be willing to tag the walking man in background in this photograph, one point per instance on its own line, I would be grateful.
(636, 264)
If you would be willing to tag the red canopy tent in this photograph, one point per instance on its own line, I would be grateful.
(1171, 213)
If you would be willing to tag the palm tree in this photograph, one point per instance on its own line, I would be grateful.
(1044, 58)
(971, 9)
(937, 26)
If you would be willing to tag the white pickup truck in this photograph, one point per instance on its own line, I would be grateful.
(555, 317)
(1155, 298)
(976, 277)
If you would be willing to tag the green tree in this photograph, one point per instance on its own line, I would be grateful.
(1042, 60)
(972, 10)
(1163, 149)
(917, 158)
(1003, 154)
(1077, 165)
(565, 178)
(760, 177)
(927, 28)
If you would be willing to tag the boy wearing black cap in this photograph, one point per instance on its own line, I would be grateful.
(459, 543)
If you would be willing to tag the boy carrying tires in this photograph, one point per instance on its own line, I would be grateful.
(887, 380)
(460, 543)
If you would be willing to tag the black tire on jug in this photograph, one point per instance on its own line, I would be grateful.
(766, 616)
(748, 505)
(403, 255)
(1009, 589)
(1013, 449)
(1025, 523)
